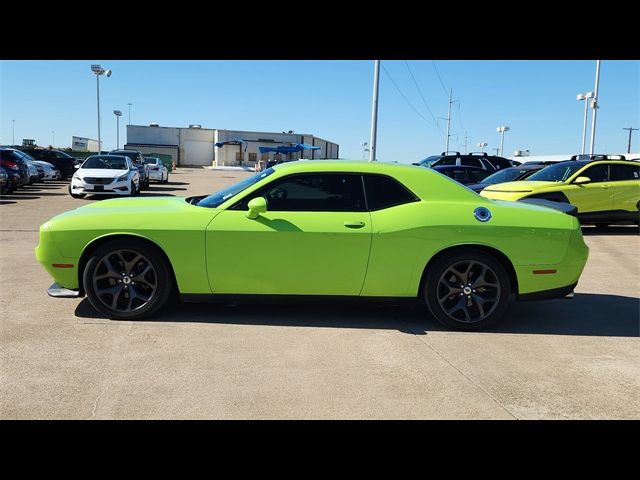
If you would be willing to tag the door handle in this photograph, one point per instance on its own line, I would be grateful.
(349, 224)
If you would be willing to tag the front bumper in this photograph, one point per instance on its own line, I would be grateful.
(155, 175)
(113, 188)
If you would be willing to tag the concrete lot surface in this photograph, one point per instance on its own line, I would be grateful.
(558, 359)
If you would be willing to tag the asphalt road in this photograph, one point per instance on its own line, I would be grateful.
(558, 359)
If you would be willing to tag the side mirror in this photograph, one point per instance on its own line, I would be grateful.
(582, 180)
(256, 206)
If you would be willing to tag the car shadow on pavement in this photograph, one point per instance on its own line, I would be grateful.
(617, 230)
(6, 202)
(586, 314)
(163, 188)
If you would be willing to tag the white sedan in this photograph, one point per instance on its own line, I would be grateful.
(157, 169)
(105, 175)
(50, 172)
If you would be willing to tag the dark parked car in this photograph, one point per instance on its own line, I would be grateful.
(14, 163)
(4, 180)
(479, 160)
(138, 161)
(63, 162)
(463, 174)
(507, 175)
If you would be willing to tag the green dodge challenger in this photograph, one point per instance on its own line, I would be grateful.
(319, 228)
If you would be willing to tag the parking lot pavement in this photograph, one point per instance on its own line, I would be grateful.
(575, 358)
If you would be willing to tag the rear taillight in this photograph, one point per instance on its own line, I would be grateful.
(9, 164)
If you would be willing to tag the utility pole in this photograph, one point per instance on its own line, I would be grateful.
(129, 112)
(497, 151)
(465, 141)
(594, 105)
(374, 112)
(631, 129)
(451, 101)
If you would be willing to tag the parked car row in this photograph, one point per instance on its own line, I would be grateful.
(120, 172)
(20, 169)
(604, 188)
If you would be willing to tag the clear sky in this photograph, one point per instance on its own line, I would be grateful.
(330, 99)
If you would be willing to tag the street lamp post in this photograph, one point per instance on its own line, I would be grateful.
(98, 70)
(594, 105)
(118, 114)
(501, 130)
(585, 97)
(129, 122)
(481, 146)
(374, 111)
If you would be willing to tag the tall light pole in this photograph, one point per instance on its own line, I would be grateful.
(129, 123)
(501, 130)
(13, 133)
(594, 105)
(118, 114)
(98, 70)
(481, 146)
(585, 97)
(631, 129)
(374, 112)
(451, 102)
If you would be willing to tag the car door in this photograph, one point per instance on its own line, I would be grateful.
(314, 239)
(595, 196)
(626, 186)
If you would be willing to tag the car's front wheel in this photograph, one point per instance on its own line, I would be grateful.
(468, 290)
(75, 195)
(127, 279)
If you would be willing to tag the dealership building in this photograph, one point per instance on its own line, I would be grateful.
(197, 146)
(84, 144)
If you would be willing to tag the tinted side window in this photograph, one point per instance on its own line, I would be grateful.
(477, 176)
(597, 173)
(447, 161)
(499, 162)
(384, 192)
(472, 162)
(328, 192)
(625, 172)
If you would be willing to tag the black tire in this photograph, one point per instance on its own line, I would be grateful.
(157, 284)
(132, 189)
(466, 314)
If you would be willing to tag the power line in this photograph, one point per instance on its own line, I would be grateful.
(422, 96)
(403, 95)
(444, 89)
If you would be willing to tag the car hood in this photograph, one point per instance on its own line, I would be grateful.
(100, 172)
(522, 186)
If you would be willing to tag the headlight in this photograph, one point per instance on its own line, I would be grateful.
(122, 178)
(77, 177)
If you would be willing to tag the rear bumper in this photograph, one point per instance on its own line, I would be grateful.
(562, 292)
(59, 291)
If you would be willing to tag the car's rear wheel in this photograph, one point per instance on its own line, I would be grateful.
(468, 290)
(133, 191)
(127, 279)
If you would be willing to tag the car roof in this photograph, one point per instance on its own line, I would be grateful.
(109, 155)
(360, 166)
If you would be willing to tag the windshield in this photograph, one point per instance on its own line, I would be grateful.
(429, 160)
(507, 175)
(110, 163)
(216, 199)
(151, 161)
(559, 172)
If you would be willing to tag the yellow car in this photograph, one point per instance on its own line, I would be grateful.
(604, 191)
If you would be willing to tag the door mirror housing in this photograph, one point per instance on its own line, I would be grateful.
(582, 180)
(256, 206)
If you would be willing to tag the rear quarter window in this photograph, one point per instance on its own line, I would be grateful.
(383, 192)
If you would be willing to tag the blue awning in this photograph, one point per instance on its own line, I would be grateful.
(288, 148)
